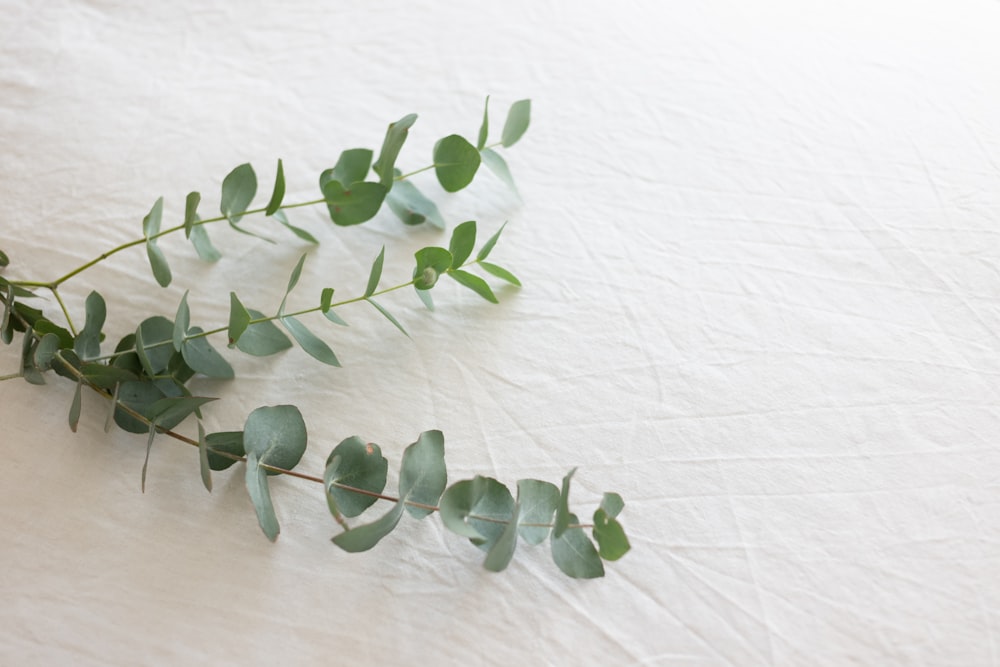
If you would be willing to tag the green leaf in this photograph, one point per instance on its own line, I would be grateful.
(491, 513)
(612, 504)
(487, 248)
(363, 538)
(106, 377)
(238, 190)
(29, 371)
(425, 296)
(293, 279)
(423, 477)
(612, 543)
(4, 259)
(168, 410)
(562, 509)
(463, 240)
(298, 231)
(574, 553)
(140, 395)
(354, 205)
(351, 167)
(191, 212)
(45, 351)
(153, 344)
(538, 501)
(74, 408)
(262, 339)
(495, 162)
(500, 555)
(182, 322)
(203, 358)
(500, 272)
(484, 129)
(326, 299)
(276, 435)
(411, 206)
(455, 162)
(388, 316)
(357, 464)
(239, 319)
(431, 263)
(43, 326)
(376, 274)
(313, 346)
(66, 360)
(151, 223)
(6, 328)
(203, 245)
(518, 119)
(395, 137)
(230, 442)
(260, 496)
(475, 283)
(278, 194)
(206, 471)
(456, 505)
(87, 343)
(150, 229)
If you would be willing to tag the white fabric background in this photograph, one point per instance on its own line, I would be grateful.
(760, 254)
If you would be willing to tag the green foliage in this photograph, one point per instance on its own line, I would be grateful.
(238, 190)
(411, 206)
(272, 436)
(395, 136)
(518, 119)
(455, 162)
(151, 230)
(278, 194)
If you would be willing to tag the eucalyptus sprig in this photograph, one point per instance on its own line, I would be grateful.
(146, 379)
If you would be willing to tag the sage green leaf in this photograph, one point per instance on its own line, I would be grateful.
(230, 442)
(182, 322)
(487, 248)
(538, 501)
(151, 229)
(280, 216)
(29, 371)
(168, 410)
(151, 223)
(376, 273)
(562, 509)
(575, 555)
(363, 538)
(612, 504)
(502, 551)
(278, 194)
(293, 279)
(518, 119)
(456, 505)
(4, 259)
(276, 435)
(313, 345)
(238, 190)
(411, 206)
(104, 376)
(149, 448)
(239, 319)
(455, 162)
(65, 363)
(612, 543)
(263, 338)
(43, 326)
(138, 395)
(495, 162)
(260, 496)
(206, 471)
(191, 212)
(491, 513)
(202, 357)
(500, 272)
(352, 166)
(178, 368)
(203, 245)
(475, 283)
(395, 137)
(425, 296)
(354, 205)
(431, 263)
(74, 408)
(423, 477)
(463, 240)
(484, 129)
(239, 229)
(87, 343)
(388, 316)
(6, 326)
(359, 465)
(45, 351)
(154, 344)
(325, 301)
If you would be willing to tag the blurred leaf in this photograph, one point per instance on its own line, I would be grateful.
(359, 465)
(518, 119)
(495, 162)
(575, 554)
(411, 206)
(238, 190)
(562, 509)
(66, 360)
(206, 471)
(487, 248)
(153, 344)
(106, 377)
(260, 496)
(203, 246)
(355, 205)
(138, 395)
(255, 235)
(538, 504)
(182, 321)
(388, 316)
(74, 408)
(151, 223)
(612, 504)
(351, 167)
(150, 229)
(475, 283)
(293, 279)
(4, 259)
(456, 504)
(203, 358)
(88, 342)
(395, 137)
(29, 371)
(276, 435)
(455, 162)
(425, 296)
(45, 351)
(431, 263)
(278, 194)
(610, 536)
(239, 319)
(44, 326)
(491, 513)
(364, 537)
(298, 231)
(191, 212)
(423, 477)
(500, 272)
(6, 328)
(262, 338)
(313, 346)
(376, 273)
(500, 554)
(230, 442)
(484, 129)
(463, 240)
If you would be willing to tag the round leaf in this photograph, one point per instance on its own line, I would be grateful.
(455, 162)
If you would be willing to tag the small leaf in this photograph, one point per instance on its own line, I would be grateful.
(191, 212)
(199, 354)
(182, 321)
(45, 351)
(495, 162)
(278, 194)
(455, 162)
(230, 442)
(238, 190)
(203, 245)
(87, 343)
(425, 296)
(388, 316)
(313, 345)
(423, 477)
(612, 504)
(168, 410)
(562, 509)
(431, 263)
(104, 376)
(262, 339)
(487, 248)
(463, 240)
(260, 496)
(411, 206)
(276, 436)
(206, 471)
(153, 344)
(395, 137)
(376, 274)
(484, 129)
(538, 504)
(352, 166)
(44, 326)
(502, 552)
(74, 408)
(354, 205)
(612, 543)
(475, 283)
(298, 231)
(151, 223)
(325, 301)
(239, 319)
(363, 538)
(357, 464)
(518, 119)
(500, 272)
(574, 553)
(150, 229)
(293, 279)
(4, 259)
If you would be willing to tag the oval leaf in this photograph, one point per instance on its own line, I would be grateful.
(463, 240)
(518, 119)
(395, 136)
(538, 501)
(359, 465)
(354, 205)
(455, 162)
(423, 477)
(313, 345)
(276, 436)
(238, 190)
(411, 206)
(363, 538)
(574, 553)
(475, 283)
(202, 357)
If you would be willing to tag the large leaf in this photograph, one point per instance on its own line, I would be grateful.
(411, 206)
(575, 554)
(395, 137)
(463, 240)
(423, 477)
(351, 167)
(312, 344)
(518, 119)
(502, 551)
(455, 162)
(203, 358)
(538, 501)
(154, 344)
(230, 442)
(479, 509)
(359, 465)
(276, 435)
(354, 205)
(262, 339)
(238, 190)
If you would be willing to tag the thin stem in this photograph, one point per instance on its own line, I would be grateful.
(10, 376)
(69, 320)
(403, 177)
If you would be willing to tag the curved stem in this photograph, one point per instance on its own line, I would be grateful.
(62, 305)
